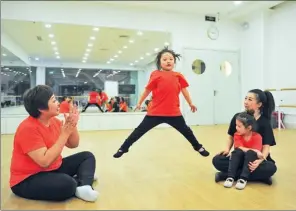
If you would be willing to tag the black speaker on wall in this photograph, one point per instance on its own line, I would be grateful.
(126, 89)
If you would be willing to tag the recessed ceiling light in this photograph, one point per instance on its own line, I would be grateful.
(57, 53)
(92, 38)
(111, 59)
(96, 29)
(53, 42)
(55, 48)
(3, 54)
(90, 45)
(166, 43)
(58, 57)
(131, 41)
(84, 58)
(131, 64)
(86, 54)
(108, 62)
(36, 58)
(156, 49)
(237, 2)
(140, 33)
(83, 61)
(119, 51)
(125, 46)
(147, 54)
(136, 61)
(115, 56)
(142, 58)
(51, 35)
(47, 25)
(62, 69)
(88, 50)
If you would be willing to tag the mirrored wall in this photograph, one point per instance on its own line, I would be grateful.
(79, 63)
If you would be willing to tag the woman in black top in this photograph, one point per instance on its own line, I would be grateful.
(261, 170)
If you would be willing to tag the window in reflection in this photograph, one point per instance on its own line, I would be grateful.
(15, 80)
(80, 83)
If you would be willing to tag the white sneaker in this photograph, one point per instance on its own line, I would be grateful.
(241, 184)
(228, 182)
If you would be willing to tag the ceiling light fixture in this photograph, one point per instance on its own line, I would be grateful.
(88, 50)
(131, 41)
(237, 2)
(3, 54)
(51, 35)
(83, 61)
(84, 58)
(57, 53)
(36, 58)
(53, 42)
(115, 56)
(55, 48)
(156, 49)
(136, 61)
(96, 29)
(92, 38)
(142, 58)
(131, 64)
(140, 33)
(58, 57)
(86, 54)
(147, 54)
(111, 59)
(119, 51)
(125, 46)
(90, 45)
(108, 62)
(166, 43)
(47, 25)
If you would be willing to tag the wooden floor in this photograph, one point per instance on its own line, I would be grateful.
(162, 171)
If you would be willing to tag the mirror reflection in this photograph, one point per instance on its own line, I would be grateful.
(99, 69)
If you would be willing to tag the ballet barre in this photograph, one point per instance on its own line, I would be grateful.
(280, 122)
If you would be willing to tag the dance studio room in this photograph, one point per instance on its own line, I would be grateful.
(147, 105)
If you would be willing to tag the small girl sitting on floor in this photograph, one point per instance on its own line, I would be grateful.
(247, 148)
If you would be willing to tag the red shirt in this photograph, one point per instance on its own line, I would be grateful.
(166, 87)
(64, 107)
(123, 106)
(93, 95)
(255, 141)
(102, 98)
(32, 135)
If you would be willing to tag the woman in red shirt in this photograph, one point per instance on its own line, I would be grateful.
(37, 169)
(66, 105)
(165, 85)
(247, 148)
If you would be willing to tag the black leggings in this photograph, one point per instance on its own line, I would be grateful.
(60, 184)
(96, 104)
(240, 160)
(263, 172)
(150, 122)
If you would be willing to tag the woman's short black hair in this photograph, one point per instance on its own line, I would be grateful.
(36, 99)
(165, 50)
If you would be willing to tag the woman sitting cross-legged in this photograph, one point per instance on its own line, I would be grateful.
(247, 148)
(262, 103)
(38, 170)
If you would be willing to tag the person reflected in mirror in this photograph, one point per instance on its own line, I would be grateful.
(93, 97)
(165, 85)
(66, 105)
(123, 105)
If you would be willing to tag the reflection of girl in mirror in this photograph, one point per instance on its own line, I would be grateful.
(122, 105)
(165, 85)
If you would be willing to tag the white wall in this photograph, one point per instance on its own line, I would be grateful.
(268, 55)
(186, 30)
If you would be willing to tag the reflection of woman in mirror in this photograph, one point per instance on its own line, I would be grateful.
(66, 105)
(103, 98)
(165, 85)
(122, 105)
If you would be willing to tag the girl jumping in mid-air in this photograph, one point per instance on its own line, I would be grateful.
(247, 148)
(165, 85)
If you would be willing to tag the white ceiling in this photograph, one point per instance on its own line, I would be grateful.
(108, 45)
(235, 10)
(8, 57)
